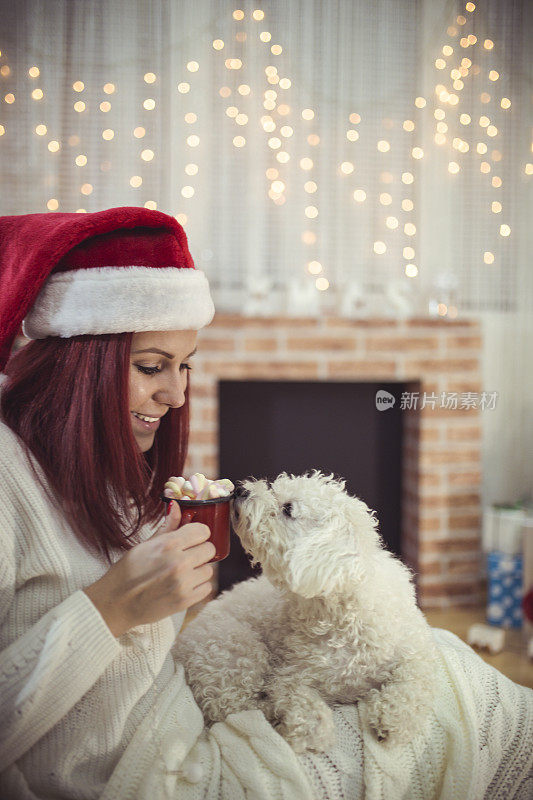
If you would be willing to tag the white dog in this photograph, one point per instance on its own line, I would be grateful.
(333, 619)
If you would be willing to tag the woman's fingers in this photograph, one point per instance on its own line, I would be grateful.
(172, 520)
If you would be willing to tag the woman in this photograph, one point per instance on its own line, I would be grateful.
(92, 589)
(92, 594)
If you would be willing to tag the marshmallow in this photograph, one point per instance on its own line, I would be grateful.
(198, 487)
(187, 490)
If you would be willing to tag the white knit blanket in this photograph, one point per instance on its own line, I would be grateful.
(477, 746)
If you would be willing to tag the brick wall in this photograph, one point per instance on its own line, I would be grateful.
(442, 447)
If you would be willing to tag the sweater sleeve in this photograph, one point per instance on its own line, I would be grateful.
(47, 669)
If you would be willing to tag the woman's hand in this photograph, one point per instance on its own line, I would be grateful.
(157, 578)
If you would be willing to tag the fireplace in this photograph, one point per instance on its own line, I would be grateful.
(426, 359)
(339, 427)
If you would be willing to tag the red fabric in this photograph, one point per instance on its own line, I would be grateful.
(527, 605)
(34, 245)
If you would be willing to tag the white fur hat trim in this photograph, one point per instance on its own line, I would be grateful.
(120, 299)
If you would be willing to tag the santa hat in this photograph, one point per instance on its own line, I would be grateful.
(124, 269)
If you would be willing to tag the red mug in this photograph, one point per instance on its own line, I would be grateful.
(213, 513)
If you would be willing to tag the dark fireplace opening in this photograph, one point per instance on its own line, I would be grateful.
(353, 430)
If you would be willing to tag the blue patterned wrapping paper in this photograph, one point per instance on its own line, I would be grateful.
(505, 590)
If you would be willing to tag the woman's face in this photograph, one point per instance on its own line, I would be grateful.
(159, 363)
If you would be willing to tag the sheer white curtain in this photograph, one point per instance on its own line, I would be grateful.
(304, 170)
(357, 69)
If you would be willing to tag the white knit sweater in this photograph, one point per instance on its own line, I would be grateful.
(84, 715)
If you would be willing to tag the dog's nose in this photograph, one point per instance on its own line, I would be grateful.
(240, 492)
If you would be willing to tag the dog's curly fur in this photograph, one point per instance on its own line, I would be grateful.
(333, 619)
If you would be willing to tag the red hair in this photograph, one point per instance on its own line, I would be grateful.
(68, 400)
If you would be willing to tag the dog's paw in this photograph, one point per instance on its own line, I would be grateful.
(305, 721)
(390, 724)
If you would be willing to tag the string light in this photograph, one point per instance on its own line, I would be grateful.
(347, 167)
(109, 88)
(496, 207)
(81, 160)
(86, 189)
(322, 284)
(149, 77)
(78, 86)
(149, 104)
(488, 257)
(193, 141)
(409, 229)
(314, 267)
(184, 87)
(190, 118)
(139, 132)
(108, 134)
(417, 152)
(187, 191)
(193, 66)
(191, 169)
(408, 125)
(391, 222)
(53, 146)
(147, 155)
(218, 44)
(385, 199)
(407, 204)
(310, 187)
(411, 270)
(265, 36)
(136, 181)
(9, 98)
(151, 204)
(238, 14)
(380, 248)
(408, 253)
(311, 212)
(505, 230)
(308, 113)
(258, 14)
(359, 195)
(52, 204)
(34, 72)
(352, 135)
(40, 130)
(407, 177)
(105, 106)
(239, 141)
(383, 146)
(305, 163)
(505, 102)
(37, 94)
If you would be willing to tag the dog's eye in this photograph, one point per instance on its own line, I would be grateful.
(287, 509)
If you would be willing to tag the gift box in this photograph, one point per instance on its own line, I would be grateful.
(505, 589)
